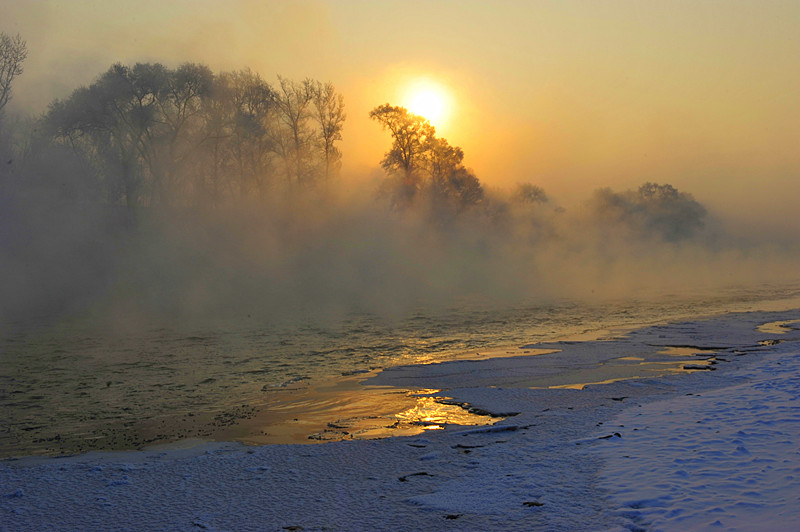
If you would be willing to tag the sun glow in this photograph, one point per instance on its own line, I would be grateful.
(428, 99)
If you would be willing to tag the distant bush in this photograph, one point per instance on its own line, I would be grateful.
(652, 210)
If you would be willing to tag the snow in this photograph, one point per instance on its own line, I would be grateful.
(727, 458)
(701, 450)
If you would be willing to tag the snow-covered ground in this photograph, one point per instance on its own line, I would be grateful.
(720, 459)
(703, 450)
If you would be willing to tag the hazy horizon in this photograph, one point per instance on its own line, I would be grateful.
(212, 215)
(589, 101)
(570, 96)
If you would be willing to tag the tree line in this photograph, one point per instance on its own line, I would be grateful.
(421, 164)
(156, 135)
(13, 52)
(148, 135)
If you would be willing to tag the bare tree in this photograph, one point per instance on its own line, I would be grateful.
(409, 135)
(293, 100)
(166, 137)
(449, 179)
(441, 158)
(13, 52)
(426, 162)
(251, 145)
(329, 114)
(115, 118)
(529, 194)
(179, 96)
(653, 210)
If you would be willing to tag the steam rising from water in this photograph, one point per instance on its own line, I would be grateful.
(328, 252)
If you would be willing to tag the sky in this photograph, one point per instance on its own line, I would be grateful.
(570, 95)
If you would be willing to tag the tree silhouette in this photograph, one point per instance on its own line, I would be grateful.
(449, 179)
(13, 52)
(424, 161)
(409, 135)
(529, 194)
(112, 120)
(251, 149)
(293, 100)
(180, 96)
(329, 114)
(159, 136)
(651, 210)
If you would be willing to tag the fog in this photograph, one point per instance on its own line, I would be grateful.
(210, 195)
(569, 96)
(323, 250)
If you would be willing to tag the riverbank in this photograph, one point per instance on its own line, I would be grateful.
(554, 464)
(79, 385)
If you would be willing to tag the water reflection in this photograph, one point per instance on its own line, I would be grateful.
(72, 387)
(778, 327)
(342, 409)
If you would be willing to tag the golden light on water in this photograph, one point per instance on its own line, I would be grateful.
(778, 327)
(432, 413)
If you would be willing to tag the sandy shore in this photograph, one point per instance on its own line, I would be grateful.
(637, 453)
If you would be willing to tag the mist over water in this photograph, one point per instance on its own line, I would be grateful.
(175, 240)
(325, 253)
(75, 386)
(115, 325)
(159, 194)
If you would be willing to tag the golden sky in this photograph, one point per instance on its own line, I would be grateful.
(571, 95)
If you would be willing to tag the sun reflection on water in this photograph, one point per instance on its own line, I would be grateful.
(433, 413)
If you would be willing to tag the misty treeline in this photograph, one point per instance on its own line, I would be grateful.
(13, 52)
(158, 192)
(422, 167)
(420, 164)
(159, 138)
(154, 135)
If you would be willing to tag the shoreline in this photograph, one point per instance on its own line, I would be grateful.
(363, 405)
(539, 469)
(397, 400)
(718, 458)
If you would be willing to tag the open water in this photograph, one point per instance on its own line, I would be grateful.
(72, 386)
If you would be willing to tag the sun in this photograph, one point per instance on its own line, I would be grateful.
(428, 99)
(427, 103)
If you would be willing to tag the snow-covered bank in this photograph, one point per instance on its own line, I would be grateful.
(723, 459)
(556, 465)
